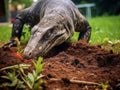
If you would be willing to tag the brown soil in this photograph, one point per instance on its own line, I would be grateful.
(75, 66)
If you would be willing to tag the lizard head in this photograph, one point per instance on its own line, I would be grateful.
(43, 39)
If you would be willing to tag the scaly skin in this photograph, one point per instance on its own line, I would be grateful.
(52, 22)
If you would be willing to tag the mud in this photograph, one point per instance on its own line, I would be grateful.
(75, 66)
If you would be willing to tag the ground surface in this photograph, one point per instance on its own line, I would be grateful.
(73, 66)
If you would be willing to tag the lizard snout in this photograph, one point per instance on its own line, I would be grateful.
(27, 55)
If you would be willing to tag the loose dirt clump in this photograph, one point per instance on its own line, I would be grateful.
(7, 58)
(76, 66)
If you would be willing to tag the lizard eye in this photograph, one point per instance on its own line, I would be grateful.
(48, 34)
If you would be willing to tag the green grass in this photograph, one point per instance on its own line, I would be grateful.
(105, 29)
(5, 33)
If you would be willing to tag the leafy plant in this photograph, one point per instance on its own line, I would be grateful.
(103, 86)
(33, 80)
(26, 33)
(17, 78)
(13, 81)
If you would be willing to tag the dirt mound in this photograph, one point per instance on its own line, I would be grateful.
(7, 57)
(76, 66)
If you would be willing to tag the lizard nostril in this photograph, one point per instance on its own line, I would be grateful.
(30, 54)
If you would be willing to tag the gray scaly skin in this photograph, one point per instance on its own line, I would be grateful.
(52, 22)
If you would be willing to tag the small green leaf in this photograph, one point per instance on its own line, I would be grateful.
(14, 83)
(37, 85)
(104, 86)
(34, 73)
(24, 66)
(31, 78)
(39, 65)
(35, 64)
(39, 77)
(39, 68)
(20, 84)
(5, 77)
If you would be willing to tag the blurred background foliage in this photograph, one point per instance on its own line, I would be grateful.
(102, 7)
(25, 3)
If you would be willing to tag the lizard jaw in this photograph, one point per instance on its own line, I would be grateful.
(36, 48)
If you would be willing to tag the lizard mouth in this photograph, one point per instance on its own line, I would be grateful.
(48, 45)
(43, 46)
(53, 42)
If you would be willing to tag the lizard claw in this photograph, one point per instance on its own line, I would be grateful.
(13, 43)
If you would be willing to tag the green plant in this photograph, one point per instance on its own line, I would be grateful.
(13, 81)
(33, 80)
(19, 79)
(103, 86)
(26, 33)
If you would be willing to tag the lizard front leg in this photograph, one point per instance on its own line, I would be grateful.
(85, 30)
(86, 33)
